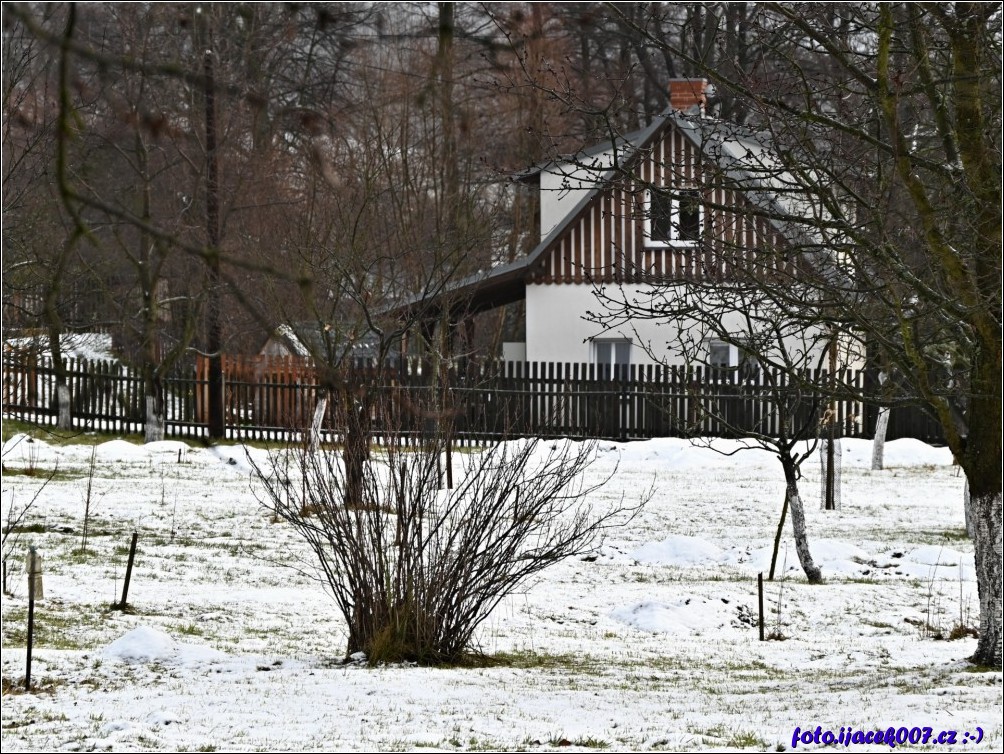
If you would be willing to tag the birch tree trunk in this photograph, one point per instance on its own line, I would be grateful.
(315, 424)
(967, 507)
(794, 500)
(878, 443)
(155, 420)
(64, 420)
(987, 539)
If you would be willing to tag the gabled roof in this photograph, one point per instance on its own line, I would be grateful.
(582, 157)
(743, 158)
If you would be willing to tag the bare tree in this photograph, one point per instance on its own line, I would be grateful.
(764, 367)
(887, 119)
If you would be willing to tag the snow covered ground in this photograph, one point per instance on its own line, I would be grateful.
(649, 644)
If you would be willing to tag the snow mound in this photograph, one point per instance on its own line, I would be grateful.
(120, 450)
(145, 644)
(684, 615)
(909, 452)
(240, 459)
(167, 447)
(676, 453)
(834, 556)
(831, 555)
(934, 555)
(679, 550)
(24, 442)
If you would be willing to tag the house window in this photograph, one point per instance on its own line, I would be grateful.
(722, 355)
(674, 219)
(612, 356)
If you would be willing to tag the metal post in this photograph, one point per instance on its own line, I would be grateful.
(830, 502)
(759, 588)
(128, 573)
(31, 616)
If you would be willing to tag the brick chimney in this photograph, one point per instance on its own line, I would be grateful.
(685, 94)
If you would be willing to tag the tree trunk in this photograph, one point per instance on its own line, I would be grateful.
(64, 420)
(214, 331)
(878, 444)
(794, 500)
(357, 445)
(831, 460)
(315, 424)
(777, 538)
(986, 507)
(979, 454)
(967, 508)
(155, 420)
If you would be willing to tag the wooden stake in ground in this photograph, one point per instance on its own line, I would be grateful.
(128, 573)
(32, 575)
(759, 589)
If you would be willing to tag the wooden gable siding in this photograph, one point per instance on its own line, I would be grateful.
(605, 243)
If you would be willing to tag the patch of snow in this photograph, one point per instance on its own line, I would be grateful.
(145, 644)
(683, 615)
(120, 450)
(679, 550)
(88, 345)
(167, 447)
(935, 555)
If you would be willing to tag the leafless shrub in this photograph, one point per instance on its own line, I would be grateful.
(415, 569)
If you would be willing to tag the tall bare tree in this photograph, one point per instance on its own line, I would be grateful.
(887, 119)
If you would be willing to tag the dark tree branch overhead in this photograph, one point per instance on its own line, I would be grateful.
(893, 111)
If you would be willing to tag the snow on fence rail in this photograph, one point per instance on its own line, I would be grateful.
(273, 398)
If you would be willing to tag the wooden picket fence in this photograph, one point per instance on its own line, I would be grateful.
(274, 398)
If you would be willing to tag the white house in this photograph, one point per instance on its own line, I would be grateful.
(673, 207)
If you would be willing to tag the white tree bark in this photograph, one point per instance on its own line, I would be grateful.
(155, 422)
(878, 443)
(315, 424)
(986, 518)
(64, 421)
(967, 507)
(812, 572)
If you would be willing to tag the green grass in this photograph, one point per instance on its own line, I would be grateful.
(54, 436)
(29, 529)
(57, 625)
(37, 472)
(940, 536)
(526, 659)
(734, 739)
(585, 742)
(746, 740)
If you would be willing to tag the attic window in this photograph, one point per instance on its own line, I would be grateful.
(673, 219)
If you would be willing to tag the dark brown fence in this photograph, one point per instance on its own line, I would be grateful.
(270, 398)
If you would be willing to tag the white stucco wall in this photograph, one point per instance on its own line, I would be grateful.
(557, 331)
